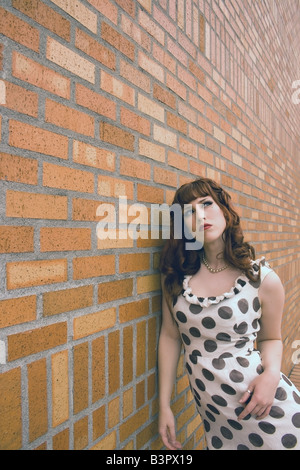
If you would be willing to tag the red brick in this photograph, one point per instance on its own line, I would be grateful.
(21, 100)
(91, 47)
(18, 169)
(18, 30)
(115, 39)
(14, 239)
(63, 177)
(116, 136)
(67, 300)
(36, 206)
(45, 16)
(17, 311)
(68, 118)
(64, 239)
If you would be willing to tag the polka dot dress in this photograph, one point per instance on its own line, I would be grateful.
(218, 335)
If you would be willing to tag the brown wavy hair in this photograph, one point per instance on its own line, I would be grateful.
(176, 261)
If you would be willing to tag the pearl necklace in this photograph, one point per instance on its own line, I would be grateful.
(212, 270)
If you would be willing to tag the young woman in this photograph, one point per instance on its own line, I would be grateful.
(221, 304)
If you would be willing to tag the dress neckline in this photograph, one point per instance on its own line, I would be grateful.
(239, 283)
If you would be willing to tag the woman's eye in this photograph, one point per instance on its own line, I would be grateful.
(207, 203)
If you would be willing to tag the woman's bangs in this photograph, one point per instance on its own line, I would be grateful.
(191, 191)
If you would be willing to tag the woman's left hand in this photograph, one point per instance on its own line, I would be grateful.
(263, 389)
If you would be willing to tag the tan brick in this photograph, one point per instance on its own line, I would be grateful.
(63, 177)
(146, 194)
(93, 266)
(138, 78)
(45, 16)
(98, 371)
(40, 76)
(80, 378)
(127, 354)
(37, 399)
(148, 283)
(96, 157)
(95, 102)
(64, 239)
(35, 273)
(69, 118)
(141, 348)
(150, 150)
(165, 176)
(79, 12)
(36, 206)
(176, 123)
(14, 239)
(91, 47)
(150, 66)
(60, 388)
(17, 311)
(115, 87)
(107, 9)
(85, 209)
(177, 161)
(21, 100)
(81, 433)
(18, 30)
(10, 410)
(114, 187)
(113, 361)
(115, 39)
(61, 440)
(108, 291)
(149, 107)
(164, 136)
(133, 423)
(98, 422)
(67, 300)
(134, 262)
(133, 310)
(91, 323)
(33, 138)
(34, 341)
(69, 60)
(116, 136)
(107, 443)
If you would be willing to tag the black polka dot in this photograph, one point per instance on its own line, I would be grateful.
(200, 385)
(241, 328)
(208, 375)
(195, 352)
(276, 412)
(189, 369)
(236, 376)
(242, 447)
(268, 428)
(243, 361)
(213, 409)
(195, 309)
(206, 425)
(239, 410)
(210, 416)
(296, 420)
(219, 400)
(186, 339)
(223, 337)
(225, 312)
(235, 424)
(243, 305)
(193, 359)
(296, 397)
(287, 380)
(210, 345)
(218, 364)
(281, 394)
(208, 323)
(241, 343)
(255, 324)
(227, 389)
(289, 441)
(256, 440)
(226, 433)
(216, 442)
(195, 332)
(256, 304)
(181, 317)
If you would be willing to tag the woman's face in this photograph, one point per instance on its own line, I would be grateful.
(204, 219)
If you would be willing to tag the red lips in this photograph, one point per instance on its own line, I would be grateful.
(206, 226)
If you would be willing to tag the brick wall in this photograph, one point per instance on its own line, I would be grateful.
(102, 98)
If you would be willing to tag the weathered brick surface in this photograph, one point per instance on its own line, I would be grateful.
(101, 99)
